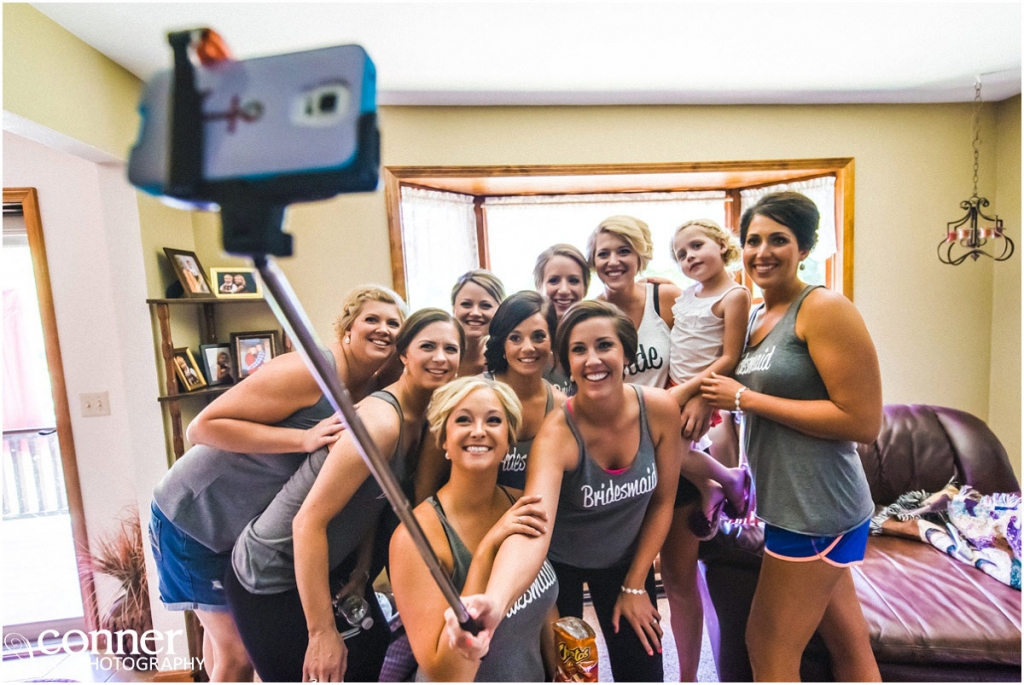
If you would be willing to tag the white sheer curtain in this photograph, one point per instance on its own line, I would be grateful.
(439, 244)
(520, 228)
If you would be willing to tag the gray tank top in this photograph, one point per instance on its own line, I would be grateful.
(512, 473)
(514, 655)
(804, 484)
(600, 513)
(263, 557)
(211, 494)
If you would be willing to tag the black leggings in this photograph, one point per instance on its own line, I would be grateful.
(273, 630)
(628, 658)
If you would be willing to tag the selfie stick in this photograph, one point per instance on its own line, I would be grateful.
(256, 221)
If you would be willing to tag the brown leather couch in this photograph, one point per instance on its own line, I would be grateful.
(932, 618)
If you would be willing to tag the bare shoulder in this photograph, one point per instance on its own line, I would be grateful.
(426, 516)
(737, 296)
(381, 420)
(827, 312)
(659, 403)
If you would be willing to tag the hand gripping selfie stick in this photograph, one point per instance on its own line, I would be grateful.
(252, 215)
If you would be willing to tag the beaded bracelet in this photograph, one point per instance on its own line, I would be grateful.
(633, 591)
(739, 392)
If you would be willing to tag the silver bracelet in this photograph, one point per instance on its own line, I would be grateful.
(739, 392)
(633, 591)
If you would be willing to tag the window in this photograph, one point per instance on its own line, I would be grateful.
(447, 220)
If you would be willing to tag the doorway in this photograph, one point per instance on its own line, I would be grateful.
(43, 532)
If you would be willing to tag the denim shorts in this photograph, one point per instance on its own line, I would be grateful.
(839, 550)
(191, 575)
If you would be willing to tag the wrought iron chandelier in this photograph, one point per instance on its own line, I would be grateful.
(964, 236)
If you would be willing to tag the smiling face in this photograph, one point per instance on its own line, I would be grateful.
(432, 358)
(563, 283)
(699, 255)
(770, 254)
(240, 280)
(597, 360)
(477, 431)
(615, 261)
(372, 333)
(474, 308)
(528, 346)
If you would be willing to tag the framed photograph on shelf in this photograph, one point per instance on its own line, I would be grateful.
(237, 283)
(220, 370)
(188, 371)
(253, 350)
(189, 272)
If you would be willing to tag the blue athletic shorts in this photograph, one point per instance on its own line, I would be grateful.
(842, 550)
(191, 575)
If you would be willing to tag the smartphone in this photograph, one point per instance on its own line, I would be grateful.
(295, 127)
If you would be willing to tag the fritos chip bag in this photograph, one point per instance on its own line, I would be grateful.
(576, 649)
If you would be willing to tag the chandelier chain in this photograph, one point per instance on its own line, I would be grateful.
(976, 124)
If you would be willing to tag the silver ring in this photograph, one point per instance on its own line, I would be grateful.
(312, 680)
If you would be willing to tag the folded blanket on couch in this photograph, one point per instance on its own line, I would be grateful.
(980, 530)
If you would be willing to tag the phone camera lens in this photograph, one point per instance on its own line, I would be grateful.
(328, 102)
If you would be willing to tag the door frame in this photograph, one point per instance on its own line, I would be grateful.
(29, 201)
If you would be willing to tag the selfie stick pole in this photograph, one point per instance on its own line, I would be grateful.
(252, 224)
(289, 313)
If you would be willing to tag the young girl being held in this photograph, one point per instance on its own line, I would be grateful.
(708, 330)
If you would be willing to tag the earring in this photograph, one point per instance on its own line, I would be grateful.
(348, 338)
(446, 455)
(802, 266)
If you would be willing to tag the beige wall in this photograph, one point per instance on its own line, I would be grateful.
(1004, 389)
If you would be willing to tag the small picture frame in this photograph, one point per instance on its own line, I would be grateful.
(220, 368)
(253, 349)
(240, 283)
(189, 272)
(189, 375)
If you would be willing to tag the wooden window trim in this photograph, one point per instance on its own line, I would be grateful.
(29, 202)
(568, 179)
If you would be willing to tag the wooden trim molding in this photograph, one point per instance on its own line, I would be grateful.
(29, 202)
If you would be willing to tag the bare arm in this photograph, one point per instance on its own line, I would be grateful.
(432, 470)
(421, 604)
(637, 609)
(342, 474)
(241, 420)
(841, 348)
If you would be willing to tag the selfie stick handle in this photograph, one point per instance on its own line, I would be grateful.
(286, 306)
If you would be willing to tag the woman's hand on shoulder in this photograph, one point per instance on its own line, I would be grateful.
(524, 517)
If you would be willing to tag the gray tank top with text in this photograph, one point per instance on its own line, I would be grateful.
(514, 655)
(804, 484)
(512, 473)
(600, 513)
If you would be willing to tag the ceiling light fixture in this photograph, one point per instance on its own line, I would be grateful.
(971, 237)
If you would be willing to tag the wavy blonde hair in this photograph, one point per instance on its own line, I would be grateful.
(448, 396)
(629, 228)
(359, 296)
(712, 230)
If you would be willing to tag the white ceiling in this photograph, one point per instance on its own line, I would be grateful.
(507, 53)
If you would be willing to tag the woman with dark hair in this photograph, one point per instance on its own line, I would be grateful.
(517, 353)
(475, 297)
(474, 420)
(290, 560)
(605, 469)
(246, 445)
(562, 275)
(809, 388)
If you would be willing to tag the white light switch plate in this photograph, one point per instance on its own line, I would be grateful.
(95, 404)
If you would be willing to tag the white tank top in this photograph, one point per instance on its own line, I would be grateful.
(696, 334)
(650, 367)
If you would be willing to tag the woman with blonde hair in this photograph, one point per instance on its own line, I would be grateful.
(475, 297)
(304, 548)
(474, 420)
(247, 444)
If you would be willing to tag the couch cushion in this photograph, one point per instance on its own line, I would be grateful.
(924, 606)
